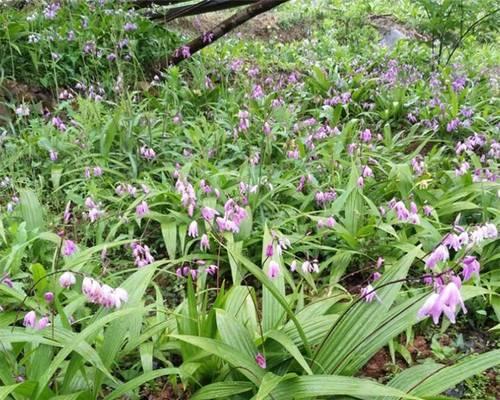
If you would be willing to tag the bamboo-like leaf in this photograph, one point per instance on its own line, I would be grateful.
(169, 233)
(222, 390)
(361, 318)
(140, 380)
(447, 377)
(247, 366)
(272, 310)
(79, 339)
(31, 210)
(306, 387)
(233, 333)
(291, 348)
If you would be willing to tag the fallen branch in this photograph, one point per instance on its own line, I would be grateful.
(203, 7)
(220, 30)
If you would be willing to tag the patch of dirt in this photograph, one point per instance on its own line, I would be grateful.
(264, 26)
(387, 22)
(377, 367)
(420, 349)
(166, 392)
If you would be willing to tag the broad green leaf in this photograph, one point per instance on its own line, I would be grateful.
(306, 387)
(246, 365)
(272, 311)
(222, 390)
(31, 210)
(169, 232)
(291, 348)
(140, 380)
(360, 318)
(233, 333)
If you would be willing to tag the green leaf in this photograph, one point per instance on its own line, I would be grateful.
(447, 377)
(31, 210)
(233, 333)
(272, 311)
(221, 390)
(247, 366)
(306, 387)
(169, 233)
(294, 351)
(140, 380)
(360, 319)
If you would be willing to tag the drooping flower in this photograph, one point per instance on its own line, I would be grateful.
(431, 308)
(204, 242)
(193, 229)
(273, 270)
(212, 269)
(29, 320)
(48, 297)
(69, 248)
(368, 293)
(142, 209)
(260, 360)
(141, 254)
(67, 279)
(470, 266)
(438, 255)
(365, 135)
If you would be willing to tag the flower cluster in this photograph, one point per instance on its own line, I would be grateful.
(103, 295)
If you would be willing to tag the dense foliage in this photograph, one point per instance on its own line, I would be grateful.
(255, 223)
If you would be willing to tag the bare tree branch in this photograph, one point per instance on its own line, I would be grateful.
(220, 30)
(199, 8)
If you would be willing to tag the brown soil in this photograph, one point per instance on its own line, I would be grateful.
(167, 392)
(377, 367)
(420, 348)
(385, 22)
(265, 26)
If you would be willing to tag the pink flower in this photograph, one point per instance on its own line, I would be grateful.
(273, 270)
(445, 301)
(48, 297)
(449, 298)
(269, 250)
(69, 248)
(293, 266)
(452, 241)
(376, 276)
(428, 210)
(141, 254)
(42, 323)
(260, 360)
(380, 262)
(193, 229)
(361, 182)
(470, 267)
(204, 242)
(212, 269)
(53, 155)
(367, 172)
(431, 308)
(208, 213)
(29, 320)
(147, 153)
(438, 255)
(365, 136)
(120, 297)
(142, 209)
(67, 279)
(369, 294)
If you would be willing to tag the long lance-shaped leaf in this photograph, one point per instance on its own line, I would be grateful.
(362, 317)
(272, 311)
(80, 338)
(306, 387)
(240, 361)
(396, 321)
(140, 380)
(222, 390)
(135, 285)
(448, 377)
(264, 279)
